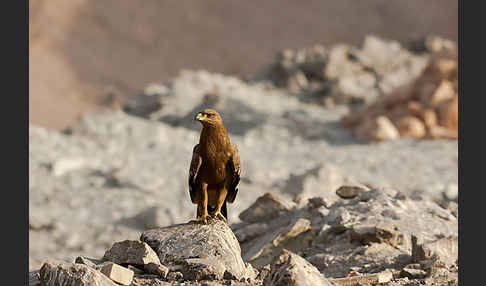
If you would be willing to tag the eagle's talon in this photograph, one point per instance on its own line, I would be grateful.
(203, 219)
(220, 216)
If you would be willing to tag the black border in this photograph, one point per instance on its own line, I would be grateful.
(15, 140)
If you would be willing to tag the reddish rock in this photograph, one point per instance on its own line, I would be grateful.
(410, 126)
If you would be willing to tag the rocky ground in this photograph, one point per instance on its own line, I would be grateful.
(117, 173)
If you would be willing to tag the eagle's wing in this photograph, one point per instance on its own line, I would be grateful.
(193, 170)
(234, 172)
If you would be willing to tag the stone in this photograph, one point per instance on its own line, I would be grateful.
(293, 270)
(444, 250)
(205, 269)
(199, 250)
(444, 92)
(156, 269)
(440, 132)
(381, 232)
(118, 273)
(448, 113)
(136, 270)
(175, 275)
(53, 273)
(351, 191)
(377, 129)
(293, 236)
(413, 273)
(34, 278)
(91, 262)
(370, 279)
(410, 126)
(429, 116)
(131, 252)
(265, 207)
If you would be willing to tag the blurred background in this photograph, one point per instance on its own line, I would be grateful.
(83, 51)
(316, 94)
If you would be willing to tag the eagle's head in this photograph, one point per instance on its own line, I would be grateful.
(209, 117)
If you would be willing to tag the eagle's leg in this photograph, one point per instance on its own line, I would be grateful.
(202, 205)
(220, 202)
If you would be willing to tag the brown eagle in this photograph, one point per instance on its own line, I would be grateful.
(215, 168)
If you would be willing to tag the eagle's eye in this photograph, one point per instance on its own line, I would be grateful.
(209, 115)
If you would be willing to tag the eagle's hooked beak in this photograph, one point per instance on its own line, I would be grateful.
(199, 117)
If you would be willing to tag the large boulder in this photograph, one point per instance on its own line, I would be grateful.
(200, 251)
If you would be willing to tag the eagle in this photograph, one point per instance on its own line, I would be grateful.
(215, 171)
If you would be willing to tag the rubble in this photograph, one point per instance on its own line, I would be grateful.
(371, 232)
(427, 107)
(343, 74)
(374, 235)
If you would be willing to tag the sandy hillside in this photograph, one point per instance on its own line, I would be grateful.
(82, 51)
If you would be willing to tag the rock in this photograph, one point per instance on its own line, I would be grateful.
(371, 279)
(291, 269)
(443, 93)
(429, 116)
(205, 269)
(175, 275)
(91, 262)
(444, 250)
(66, 274)
(267, 206)
(294, 236)
(439, 132)
(377, 129)
(411, 126)
(131, 252)
(34, 278)
(156, 269)
(118, 273)
(381, 232)
(351, 191)
(413, 273)
(201, 250)
(136, 270)
(448, 113)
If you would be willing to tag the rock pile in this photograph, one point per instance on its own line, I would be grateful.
(344, 74)
(367, 237)
(406, 91)
(425, 108)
